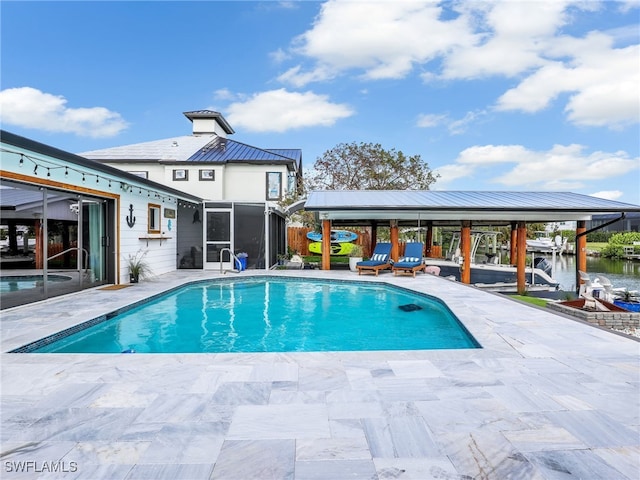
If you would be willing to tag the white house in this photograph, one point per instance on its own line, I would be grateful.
(80, 221)
(241, 186)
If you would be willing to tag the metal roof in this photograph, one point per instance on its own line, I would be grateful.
(293, 153)
(224, 150)
(488, 207)
(208, 148)
(174, 148)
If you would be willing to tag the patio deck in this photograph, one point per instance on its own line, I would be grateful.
(548, 397)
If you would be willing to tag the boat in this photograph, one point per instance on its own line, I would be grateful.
(543, 243)
(336, 248)
(337, 236)
(486, 269)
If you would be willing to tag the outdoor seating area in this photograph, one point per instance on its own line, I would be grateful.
(412, 260)
(380, 260)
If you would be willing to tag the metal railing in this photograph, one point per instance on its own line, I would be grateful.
(233, 256)
(85, 256)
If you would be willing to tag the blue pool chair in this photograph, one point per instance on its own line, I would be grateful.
(379, 260)
(412, 260)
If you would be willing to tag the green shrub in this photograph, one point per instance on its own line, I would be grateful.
(612, 250)
(625, 238)
(598, 236)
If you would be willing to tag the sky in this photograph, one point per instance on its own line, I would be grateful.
(493, 95)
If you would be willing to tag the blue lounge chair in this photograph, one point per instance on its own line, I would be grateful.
(412, 260)
(379, 260)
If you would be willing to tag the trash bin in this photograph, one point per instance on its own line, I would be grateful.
(241, 263)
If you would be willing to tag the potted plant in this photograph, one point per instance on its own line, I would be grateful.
(138, 266)
(355, 256)
(628, 301)
(283, 258)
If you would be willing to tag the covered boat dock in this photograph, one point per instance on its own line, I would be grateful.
(464, 209)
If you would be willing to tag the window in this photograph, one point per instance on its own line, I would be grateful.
(207, 175)
(181, 174)
(274, 185)
(140, 173)
(154, 218)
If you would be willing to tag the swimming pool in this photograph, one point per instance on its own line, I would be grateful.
(266, 314)
(15, 283)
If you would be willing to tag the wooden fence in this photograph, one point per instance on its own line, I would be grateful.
(298, 241)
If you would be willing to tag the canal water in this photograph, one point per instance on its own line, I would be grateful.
(622, 273)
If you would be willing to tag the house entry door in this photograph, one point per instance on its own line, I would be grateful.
(218, 241)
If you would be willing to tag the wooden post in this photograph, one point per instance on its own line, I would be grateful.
(374, 236)
(326, 244)
(521, 257)
(394, 240)
(428, 242)
(38, 250)
(581, 250)
(513, 244)
(465, 246)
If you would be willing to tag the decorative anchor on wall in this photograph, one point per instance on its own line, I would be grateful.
(131, 220)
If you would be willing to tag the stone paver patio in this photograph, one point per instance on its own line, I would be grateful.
(547, 397)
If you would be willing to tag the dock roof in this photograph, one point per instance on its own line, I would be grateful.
(449, 207)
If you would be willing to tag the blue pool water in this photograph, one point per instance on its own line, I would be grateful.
(275, 315)
(14, 283)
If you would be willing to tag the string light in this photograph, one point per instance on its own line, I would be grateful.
(49, 165)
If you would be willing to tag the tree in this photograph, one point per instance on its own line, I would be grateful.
(367, 166)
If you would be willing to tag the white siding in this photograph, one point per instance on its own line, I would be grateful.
(208, 189)
(249, 182)
(233, 181)
(160, 254)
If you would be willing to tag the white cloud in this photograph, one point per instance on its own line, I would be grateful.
(626, 5)
(394, 37)
(523, 40)
(484, 155)
(563, 167)
(224, 94)
(608, 194)
(455, 127)
(449, 174)
(281, 110)
(603, 83)
(430, 120)
(30, 108)
(294, 76)
(279, 55)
